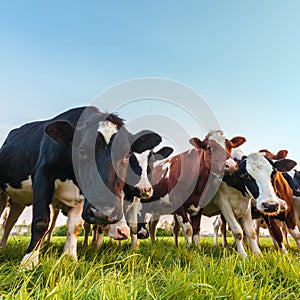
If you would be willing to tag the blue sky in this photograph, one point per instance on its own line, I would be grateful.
(241, 56)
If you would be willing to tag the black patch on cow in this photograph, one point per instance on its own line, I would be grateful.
(242, 180)
(293, 183)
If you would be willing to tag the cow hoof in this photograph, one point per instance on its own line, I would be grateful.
(30, 261)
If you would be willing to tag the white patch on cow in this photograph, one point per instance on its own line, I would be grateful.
(187, 229)
(30, 260)
(237, 153)
(67, 192)
(167, 166)
(23, 195)
(107, 129)
(217, 135)
(260, 170)
(74, 225)
(193, 210)
(142, 159)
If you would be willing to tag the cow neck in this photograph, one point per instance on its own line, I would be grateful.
(282, 188)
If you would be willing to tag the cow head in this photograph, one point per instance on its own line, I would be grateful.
(257, 173)
(141, 163)
(101, 149)
(221, 148)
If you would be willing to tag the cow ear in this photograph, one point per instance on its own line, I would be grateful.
(61, 131)
(284, 165)
(144, 140)
(280, 155)
(163, 153)
(237, 141)
(197, 143)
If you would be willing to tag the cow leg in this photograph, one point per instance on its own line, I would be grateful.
(223, 232)
(235, 227)
(131, 211)
(142, 231)
(247, 225)
(276, 232)
(285, 233)
(290, 221)
(54, 212)
(296, 207)
(256, 223)
(15, 211)
(152, 225)
(98, 234)
(43, 188)
(95, 229)
(176, 229)
(185, 224)
(195, 221)
(87, 230)
(3, 201)
(74, 225)
(216, 227)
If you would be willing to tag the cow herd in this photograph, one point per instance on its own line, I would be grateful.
(86, 164)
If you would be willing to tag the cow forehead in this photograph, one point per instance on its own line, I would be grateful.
(142, 158)
(258, 166)
(218, 137)
(107, 129)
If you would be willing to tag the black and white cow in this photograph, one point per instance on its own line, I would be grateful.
(81, 147)
(140, 167)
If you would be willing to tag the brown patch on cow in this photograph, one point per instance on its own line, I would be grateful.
(77, 230)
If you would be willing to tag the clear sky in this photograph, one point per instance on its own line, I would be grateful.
(243, 57)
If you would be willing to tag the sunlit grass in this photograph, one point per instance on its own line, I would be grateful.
(153, 271)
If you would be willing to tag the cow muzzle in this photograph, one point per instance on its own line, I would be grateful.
(144, 192)
(231, 166)
(270, 208)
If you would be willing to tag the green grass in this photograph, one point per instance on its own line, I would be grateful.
(153, 271)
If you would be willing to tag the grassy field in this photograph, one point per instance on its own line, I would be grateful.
(153, 271)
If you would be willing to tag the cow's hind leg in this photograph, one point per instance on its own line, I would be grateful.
(15, 211)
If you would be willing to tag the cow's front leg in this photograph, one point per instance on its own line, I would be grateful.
(185, 224)
(195, 221)
(74, 225)
(43, 187)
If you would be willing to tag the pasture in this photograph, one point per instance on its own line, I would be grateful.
(153, 271)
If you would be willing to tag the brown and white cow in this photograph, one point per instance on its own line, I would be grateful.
(252, 180)
(189, 180)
